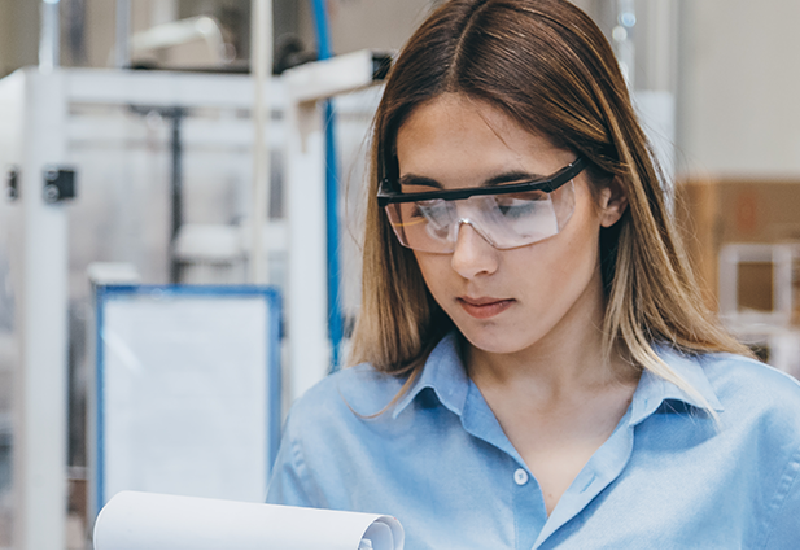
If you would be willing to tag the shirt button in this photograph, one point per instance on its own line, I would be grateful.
(520, 476)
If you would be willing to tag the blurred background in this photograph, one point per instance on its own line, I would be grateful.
(142, 117)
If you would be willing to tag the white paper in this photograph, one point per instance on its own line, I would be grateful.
(147, 521)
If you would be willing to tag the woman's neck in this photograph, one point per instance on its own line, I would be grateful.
(569, 359)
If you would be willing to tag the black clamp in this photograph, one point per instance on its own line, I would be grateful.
(12, 184)
(59, 185)
(381, 64)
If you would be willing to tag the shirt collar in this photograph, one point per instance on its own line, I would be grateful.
(445, 375)
(653, 390)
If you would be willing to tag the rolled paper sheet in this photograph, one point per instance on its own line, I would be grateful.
(133, 520)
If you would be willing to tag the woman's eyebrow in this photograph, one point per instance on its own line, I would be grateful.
(499, 179)
(413, 179)
(512, 177)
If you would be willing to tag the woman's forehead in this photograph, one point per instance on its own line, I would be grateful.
(454, 134)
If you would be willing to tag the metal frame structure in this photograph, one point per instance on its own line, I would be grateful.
(307, 87)
(35, 107)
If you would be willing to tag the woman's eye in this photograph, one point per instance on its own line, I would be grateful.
(425, 209)
(514, 208)
(519, 204)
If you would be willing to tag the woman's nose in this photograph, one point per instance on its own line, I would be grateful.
(473, 255)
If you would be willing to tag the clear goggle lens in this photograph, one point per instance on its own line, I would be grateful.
(504, 220)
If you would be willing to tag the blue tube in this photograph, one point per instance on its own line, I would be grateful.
(331, 195)
(323, 35)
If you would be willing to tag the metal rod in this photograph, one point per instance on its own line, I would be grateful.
(176, 190)
(261, 64)
(332, 220)
(122, 50)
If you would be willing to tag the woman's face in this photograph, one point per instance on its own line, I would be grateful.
(503, 301)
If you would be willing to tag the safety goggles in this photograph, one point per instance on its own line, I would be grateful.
(506, 216)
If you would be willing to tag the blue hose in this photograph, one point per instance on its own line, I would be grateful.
(331, 194)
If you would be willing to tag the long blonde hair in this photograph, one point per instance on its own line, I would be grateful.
(548, 66)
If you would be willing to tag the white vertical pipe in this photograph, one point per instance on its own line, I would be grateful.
(49, 36)
(40, 409)
(306, 292)
(261, 63)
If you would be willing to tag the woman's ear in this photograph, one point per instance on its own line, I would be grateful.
(613, 203)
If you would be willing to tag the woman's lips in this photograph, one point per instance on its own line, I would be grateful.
(484, 308)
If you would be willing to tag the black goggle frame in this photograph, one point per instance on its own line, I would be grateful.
(388, 192)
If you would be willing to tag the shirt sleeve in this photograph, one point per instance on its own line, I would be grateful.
(785, 526)
(288, 484)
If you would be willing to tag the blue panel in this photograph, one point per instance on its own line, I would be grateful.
(271, 296)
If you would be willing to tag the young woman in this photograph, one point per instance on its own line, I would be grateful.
(536, 368)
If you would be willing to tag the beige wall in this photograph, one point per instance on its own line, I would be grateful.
(19, 34)
(6, 41)
(737, 89)
(739, 102)
(19, 31)
(101, 21)
(360, 24)
(375, 24)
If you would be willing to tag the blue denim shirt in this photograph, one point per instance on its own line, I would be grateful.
(668, 477)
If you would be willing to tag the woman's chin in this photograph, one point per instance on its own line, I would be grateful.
(501, 343)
